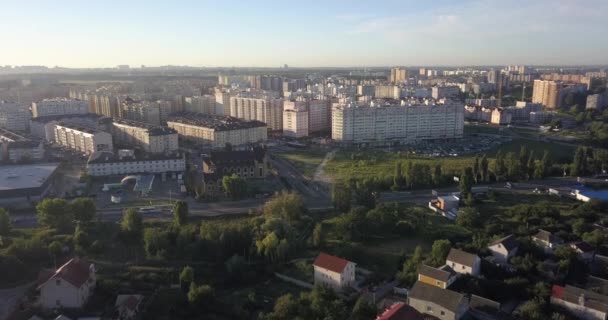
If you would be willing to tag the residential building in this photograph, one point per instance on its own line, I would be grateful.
(217, 131)
(398, 75)
(59, 106)
(142, 111)
(410, 121)
(463, 262)
(128, 305)
(319, 116)
(44, 127)
(70, 286)
(386, 92)
(400, 311)
(105, 163)
(83, 139)
(552, 94)
(200, 104)
(441, 277)
(366, 90)
(598, 101)
(481, 308)
(501, 116)
(333, 271)
(584, 304)
(295, 119)
(440, 303)
(150, 138)
(584, 250)
(504, 248)
(265, 109)
(547, 240)
(445, 92)
(447, 203)
(15, 148)
(571, 78)
(222, 102)
(23, 185)
(14, 116)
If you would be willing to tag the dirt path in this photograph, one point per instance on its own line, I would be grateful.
(319, 175)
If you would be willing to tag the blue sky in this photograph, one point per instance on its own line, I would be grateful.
(302, 33)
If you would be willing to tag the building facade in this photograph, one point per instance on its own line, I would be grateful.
(200, 104)
(106, 164)
(217, 131)
(15, 148)
(409, 122)
(55, 107)
(398, 75)
(151, 139)
(141, 111)
(334, 272)
(82, 139)
(295, 119)
(14, 116)
(70, 286)
(552, 94)
(265, 109)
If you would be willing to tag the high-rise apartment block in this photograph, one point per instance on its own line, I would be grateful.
(398, 75)
(200, 104)
(222, 102)
(295, 119)
(82, 139)
(55, 107)
(552, 94)
(142, 111)
(410, 121)
(445, 92)
(265, 109)
(14, 116)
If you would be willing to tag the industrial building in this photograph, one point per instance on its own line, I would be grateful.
(24, 185)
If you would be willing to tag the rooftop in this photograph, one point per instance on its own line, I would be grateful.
(152, 129)
(330, 262)
(75, 271)
(25, 176)
(462, 257)
(400, 311)
(219, 123)
(586, 298)
(448, 299)
(509, 242)
(442, 274)
(46, 119)
(109, 157)
(547, 236)
(78, 127)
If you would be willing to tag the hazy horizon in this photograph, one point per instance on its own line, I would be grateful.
(269, 34)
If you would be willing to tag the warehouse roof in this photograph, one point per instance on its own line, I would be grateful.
(25, 176)
(219, 123)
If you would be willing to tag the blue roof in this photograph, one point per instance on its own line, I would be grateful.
(601, 194)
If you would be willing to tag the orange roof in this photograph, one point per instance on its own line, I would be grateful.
(330, 262)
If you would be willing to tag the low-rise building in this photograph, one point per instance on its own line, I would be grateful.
(150, 138)
(440, 303)
(584, 304)
(106, 164)
(217, 131)
(481, 308)
(24, 185)
(584, 250)
(504, 248)
(547, 240)
(441, 277)
(463, 262)
(247, 164)
(333, 271)
(400, 311)
(70, 286)
(82, 139)
(16, 148)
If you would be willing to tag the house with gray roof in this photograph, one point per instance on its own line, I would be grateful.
(463, 262)
(436, 302)
(504, 248)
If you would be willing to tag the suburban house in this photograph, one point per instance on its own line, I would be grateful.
(585, 304)
(547, 240)
(127, 305)
(583, 249)
(484, 309)
(441, 277)
(400, 311)
(463, 262)
(440, 303)
(503, 249)
(69, 286)
(333, 271)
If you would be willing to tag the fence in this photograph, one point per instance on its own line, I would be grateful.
(297, 282)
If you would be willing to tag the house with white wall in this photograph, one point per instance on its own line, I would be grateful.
(333, 271)
(463, 262)
(503, 249)
(70, 286)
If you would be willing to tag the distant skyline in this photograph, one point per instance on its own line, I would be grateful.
(339, 33)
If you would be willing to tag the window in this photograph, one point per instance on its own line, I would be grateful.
(463, 267)
(439, 283)
(429, 309)
(442, 313)
(58, 282)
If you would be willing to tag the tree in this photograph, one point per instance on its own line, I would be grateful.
(468, 217)
(55, 213)
(54, 251)
(566, 256)
(437, 175)
(476, 169)
(235, 186)
(500, 168)
(81, 239)
(398, 180)
(84, 209)
(180, 213)
(364, 194)
(484, 168)
(579, 163)
(439, 252)
(132, 228)
(595, 238)
(186, 277)
(363, 310)
(318, 235)
(466, 182)
(200, 297)
(530, 166)
(236, 266)
(341, 197)
(156, 242)
(286, 205)
(5, 223)
(286, 307)
(523, 160)
(409, 271)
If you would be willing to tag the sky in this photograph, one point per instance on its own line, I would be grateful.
(341, 33)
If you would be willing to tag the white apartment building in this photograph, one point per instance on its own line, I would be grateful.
(14, 116)
(265, 109)
(44, 127)
(151, 139)
(222, 102)
(60, 106)
(82, 139)
(411, 121)
(200, 104)
(217, 131)
(295, 119)
(106, 164)
(386, 92)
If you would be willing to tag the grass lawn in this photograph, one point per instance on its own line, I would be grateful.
(559, 153)
(305, 160)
